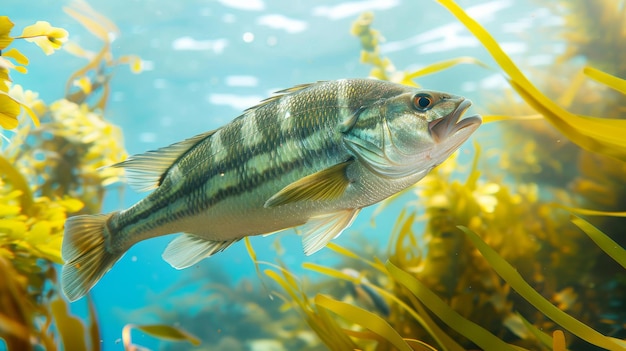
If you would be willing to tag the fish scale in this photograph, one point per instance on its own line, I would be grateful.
(310, 156)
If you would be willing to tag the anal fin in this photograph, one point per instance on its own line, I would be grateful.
(327, 184)
(188, 249)
(321, 229)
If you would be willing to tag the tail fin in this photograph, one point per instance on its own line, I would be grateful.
(85, 255)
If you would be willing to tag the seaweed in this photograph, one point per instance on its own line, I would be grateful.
(498, 265)
(510, 232)
(161, 331)
(45, 36)
(50, 171)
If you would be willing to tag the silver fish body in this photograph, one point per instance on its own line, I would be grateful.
(311, 156)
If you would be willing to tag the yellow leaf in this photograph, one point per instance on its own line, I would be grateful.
(52, 250)
(39, 233)
(16, 55)
(9, 110)
(92, 25)
(607, 244)
(13, 228)
(5, 65)
(135, 65)
(365, 319)
(71, 205)
(442, 65)
(160, 331)
(9, 210)
(84, 84)
(70, 328)
(28, 110)
(499, 118)
(78, 51)
(5, 29)
(4, 76)
(606, 79)
(45, 36)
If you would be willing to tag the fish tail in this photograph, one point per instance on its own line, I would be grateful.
(85, 254)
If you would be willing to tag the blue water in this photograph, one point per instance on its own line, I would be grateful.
(206, 61)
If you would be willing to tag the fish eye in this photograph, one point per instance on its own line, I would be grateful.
(422, 101)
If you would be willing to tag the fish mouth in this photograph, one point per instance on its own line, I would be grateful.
(444, 128)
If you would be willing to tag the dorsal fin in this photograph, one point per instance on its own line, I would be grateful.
(280, 93)
(145, 171)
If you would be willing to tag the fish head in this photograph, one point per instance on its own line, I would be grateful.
(416, 131)
(423, 128)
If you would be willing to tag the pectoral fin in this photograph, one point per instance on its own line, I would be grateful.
(188, 249)
(327, 184)
(319, 230)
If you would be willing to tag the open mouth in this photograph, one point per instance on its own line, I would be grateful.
(443, 128)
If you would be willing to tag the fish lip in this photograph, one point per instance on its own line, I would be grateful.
(444, 127)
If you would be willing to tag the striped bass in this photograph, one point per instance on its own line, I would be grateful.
(310, 156)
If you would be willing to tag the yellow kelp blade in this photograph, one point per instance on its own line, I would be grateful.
(515, 280)
(610, 247)
(71, 329)
(319, 320)
(543, 338)
(500, 118)
(159, 331)
(363, 318)
(421, 317)
(256, 262)
(606, 79)
(477, 334)
(418, 345)
(588, 212)
(443, 65)
(94, 327)
(343, 251)
(604, 136)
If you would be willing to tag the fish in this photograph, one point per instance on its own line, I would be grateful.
(309, 157)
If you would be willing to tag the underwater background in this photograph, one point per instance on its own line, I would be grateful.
(201, 63)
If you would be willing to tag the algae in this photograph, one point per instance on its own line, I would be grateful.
(52, 170)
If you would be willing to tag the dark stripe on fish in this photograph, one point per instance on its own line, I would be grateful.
(194, 191)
